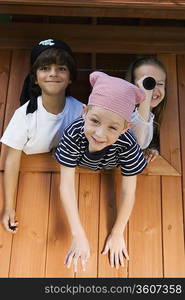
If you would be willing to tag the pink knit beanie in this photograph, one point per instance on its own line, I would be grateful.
(115, 94)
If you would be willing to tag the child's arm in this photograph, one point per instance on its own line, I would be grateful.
(11, 172)
(142, 119)
(144, 107)
(80, 246)
(115, 242)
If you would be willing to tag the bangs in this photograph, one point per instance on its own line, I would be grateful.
(51, 56)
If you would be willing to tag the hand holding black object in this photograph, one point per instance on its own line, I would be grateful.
(149, 83)
(12, 227)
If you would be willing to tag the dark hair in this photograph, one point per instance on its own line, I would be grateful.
(159, 109)
(50, 56)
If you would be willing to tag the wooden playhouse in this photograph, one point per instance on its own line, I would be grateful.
(104, 35)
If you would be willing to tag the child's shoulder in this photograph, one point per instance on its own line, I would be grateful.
(22, 109)
(128, 136)
(127, 139)
(73, 101)
(75, 127)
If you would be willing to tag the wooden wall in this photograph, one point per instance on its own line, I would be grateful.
(155, 233)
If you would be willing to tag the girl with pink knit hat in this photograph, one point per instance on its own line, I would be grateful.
(101, 139)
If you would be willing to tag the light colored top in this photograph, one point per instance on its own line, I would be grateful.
(40, 131)
(141, 129)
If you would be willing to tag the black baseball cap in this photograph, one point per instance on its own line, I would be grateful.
(48, 44)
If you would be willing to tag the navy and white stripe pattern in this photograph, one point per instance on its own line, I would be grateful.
(73, 151)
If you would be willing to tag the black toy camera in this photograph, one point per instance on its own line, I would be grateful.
(149, 83)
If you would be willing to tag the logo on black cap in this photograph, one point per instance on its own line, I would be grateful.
(48, 42)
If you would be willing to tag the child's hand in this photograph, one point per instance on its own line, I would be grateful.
(118, 251)
(79, 250)
(151, 154)
(9, 222)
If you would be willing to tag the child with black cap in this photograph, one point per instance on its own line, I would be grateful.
(47, 108)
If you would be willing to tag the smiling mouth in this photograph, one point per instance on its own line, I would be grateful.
(155, 98)
(97, 142)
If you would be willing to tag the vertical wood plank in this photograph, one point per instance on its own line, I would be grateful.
(89, 214)
(145, 240)
(173, 235)
(109, 195)
(170, 131)
(29, 243)
(5, 238)
(18, 71)
(59, 236)
(5, 58)
(181, 89)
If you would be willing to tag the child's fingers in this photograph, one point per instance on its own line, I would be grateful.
(68, 259)
(112, 259)
(125, 253)
(6, 225)
(116, 259)
(84, 260)
(155, 154)
(106, 249)
(75, 263)
(121, 258)
(84, 263)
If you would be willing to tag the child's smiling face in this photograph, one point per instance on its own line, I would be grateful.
(102, 127)
(53, 79)
(160, 77)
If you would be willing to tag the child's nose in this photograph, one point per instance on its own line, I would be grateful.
(100, 131)
(53, 72)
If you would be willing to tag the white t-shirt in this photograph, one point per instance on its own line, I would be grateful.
(40, 131)
(141, 129)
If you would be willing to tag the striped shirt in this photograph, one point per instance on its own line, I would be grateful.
(72, 151)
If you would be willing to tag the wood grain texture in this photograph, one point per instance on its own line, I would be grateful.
(29, 244)
(89, 215)
(45, 162)
(145, 227)
(5, 239)
(109, 195)
(173, 235)
(172, 211)
(18, 71)
(98, 8)
(181, 90)
(5, 59)
(59, 236)
(170, 131)
(100, 38)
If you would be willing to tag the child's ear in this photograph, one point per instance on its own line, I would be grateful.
(127, 126)
(84, 111)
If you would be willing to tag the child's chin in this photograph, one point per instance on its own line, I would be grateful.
(96, 149)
